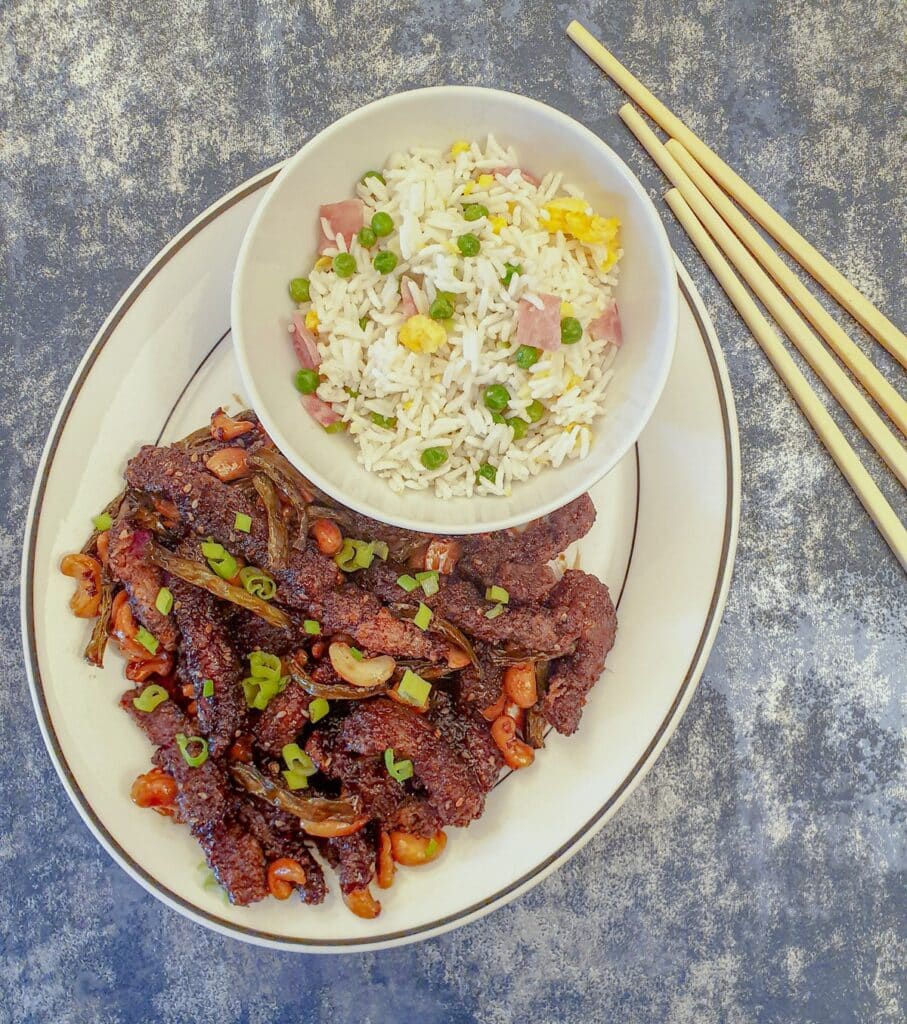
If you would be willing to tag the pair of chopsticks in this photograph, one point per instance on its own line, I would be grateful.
(715, 225)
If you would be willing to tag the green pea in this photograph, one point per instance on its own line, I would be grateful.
(519, 427)
(382, 224)
(496, 417)
(373, 174)
(440, 309)
(384, 261)
(526, 356)
(299, 289)
(571, 330)
(468, 244)
(475, 211)
(367, 237)
(496, 397)
(487, 471)
(509, 270)
(307, 381)
(344, 264)
(433, 458)
(363, 323)
(388, 422)
(535, 411)
(337, 427)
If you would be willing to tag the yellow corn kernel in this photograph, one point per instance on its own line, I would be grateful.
(469, 188)
(485, 180)
(497, 223)
(311, 320)
(511, 206)
(406, 406)
(566, 309)
(322, 263)
(460, 146)
(421, 334)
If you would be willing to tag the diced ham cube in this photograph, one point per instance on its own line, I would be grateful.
(320, 410)
(304, 343)
(344, 218)
(540, 328)
(526, 176)
(607, 326)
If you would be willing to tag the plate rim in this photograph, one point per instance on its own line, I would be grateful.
(583, 835)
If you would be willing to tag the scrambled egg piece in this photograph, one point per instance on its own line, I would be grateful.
(497, 223)
(566, 309)
(485, 180)
(469, 188)
(422, 334)
(575, 217)
(460, 146)
(311, 320)
(322, 263)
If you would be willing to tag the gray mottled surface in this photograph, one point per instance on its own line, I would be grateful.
(758, 873)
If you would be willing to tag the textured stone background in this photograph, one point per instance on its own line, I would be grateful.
(758, 873)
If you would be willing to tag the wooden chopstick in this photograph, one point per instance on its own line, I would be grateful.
(865, 372)
(883, 515)
(878, 325)
(812, 350)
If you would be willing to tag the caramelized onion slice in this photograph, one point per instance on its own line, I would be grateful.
(324, 816)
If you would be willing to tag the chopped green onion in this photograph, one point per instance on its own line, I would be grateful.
(103, 522)
(264, 665)
(318, 709)
(257, 582)
(297, 760)
(422, 618)
(407, 583)
(431, 847)
(260, 692)
(208, 688)
(429, 581)
(380, 548)
(355, 554)
(312, 627)
(413, 689)
(220, 560)
(295, 781)
(387, 422)
(193, 760)
(164, 601)
(242, 522)
(150, 697)
(497, 594)
(148, 640)
(493, 613)
(356, 653)
(337, 427)
(399, 770)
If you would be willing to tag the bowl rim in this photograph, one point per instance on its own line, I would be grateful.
(663, 260)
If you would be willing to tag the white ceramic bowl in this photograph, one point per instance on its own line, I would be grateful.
(281, 240)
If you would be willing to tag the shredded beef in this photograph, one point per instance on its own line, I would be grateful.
(129, 563)
(236, 858)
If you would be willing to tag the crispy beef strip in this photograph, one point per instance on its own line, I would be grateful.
(206, 653)
(282, 720)
(582, 604)
(209, 507)
(470, 735)
(204, 799)
(516, 560)
(236, 858)
(352, 857)
(249, 632)
(280, 836)
(365, 777)
(416, 816)
(482, 688)
(360, 614)
(129, 563)
(452, 787)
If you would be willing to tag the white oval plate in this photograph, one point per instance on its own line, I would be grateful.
(664, 542)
